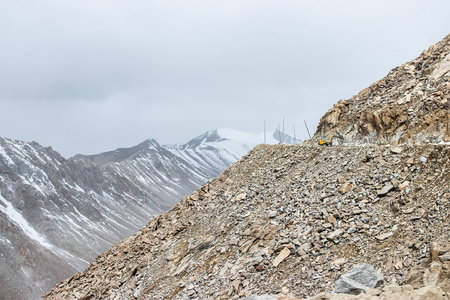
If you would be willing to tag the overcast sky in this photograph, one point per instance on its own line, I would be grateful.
(89, 76)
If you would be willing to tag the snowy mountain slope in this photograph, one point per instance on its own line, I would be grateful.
(59, 211)
(57, 214)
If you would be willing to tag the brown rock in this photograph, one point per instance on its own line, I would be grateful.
(402, 186)
(344, 188)
(282, 256)
(384, 236)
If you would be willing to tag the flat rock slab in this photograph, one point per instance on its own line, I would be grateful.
(283, 254)
(385, 190)
(384, 236)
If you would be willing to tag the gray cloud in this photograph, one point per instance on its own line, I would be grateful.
(90, 76)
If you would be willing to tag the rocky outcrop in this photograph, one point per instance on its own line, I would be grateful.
(410, 105)
(279, 222)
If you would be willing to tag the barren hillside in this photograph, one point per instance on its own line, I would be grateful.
(292, 219)
(284, 219)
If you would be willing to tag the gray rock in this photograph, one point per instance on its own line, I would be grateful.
(359, 279)
(396, 150)
(385, 190)
(334, 234)
(384, 236)
(445, 257)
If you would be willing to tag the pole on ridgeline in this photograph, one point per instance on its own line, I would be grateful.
(295, 137)
(283, 129)
(264, 131)
(279, 133)
(307, 130)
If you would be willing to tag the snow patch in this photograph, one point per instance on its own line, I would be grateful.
(16, 217)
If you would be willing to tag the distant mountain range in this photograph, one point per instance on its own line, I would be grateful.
(58, 214)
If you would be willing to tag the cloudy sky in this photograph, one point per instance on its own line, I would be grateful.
(88, 76)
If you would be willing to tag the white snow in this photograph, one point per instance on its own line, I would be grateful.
(16, 217)
(6, 156)
(4, 240)
(246, 138)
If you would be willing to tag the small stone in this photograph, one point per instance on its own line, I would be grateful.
(324, 212)
(402, 186)
(357, 211)
(351, 230)
(445, 257)
(334, 234)
(339, 261)
(385, 189)
(283, 254)
(396, 150)
(384, 236)
(331, 219)
(305, 246)
(241, 196)
(345, 188)
(423, 159)
(394, 182)
(409, 210)
(327, 225)
(260, 268)
(341, 179)
(272, 214)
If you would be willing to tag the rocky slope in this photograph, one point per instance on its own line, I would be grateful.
(410, 105)
(285, 219)
(58, 214)
(292, 219)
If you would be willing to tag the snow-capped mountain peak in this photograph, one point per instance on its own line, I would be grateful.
(208, 137)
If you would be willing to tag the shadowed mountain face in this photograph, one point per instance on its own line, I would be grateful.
(58, 214)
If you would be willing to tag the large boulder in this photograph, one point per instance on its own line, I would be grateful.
(359, 279)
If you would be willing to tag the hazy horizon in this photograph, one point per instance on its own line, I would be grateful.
(89, 77)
